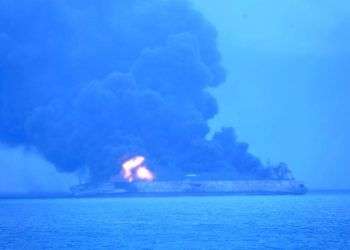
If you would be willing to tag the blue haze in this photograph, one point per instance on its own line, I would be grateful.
(288, 87)
(64, 89)
(83, 88)
(87, 85)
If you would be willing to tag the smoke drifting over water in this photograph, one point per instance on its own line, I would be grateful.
(90, 84)
(23, 171)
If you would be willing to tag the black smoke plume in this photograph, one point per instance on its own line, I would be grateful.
(90, 83)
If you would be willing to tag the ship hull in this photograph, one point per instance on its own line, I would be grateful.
(179, 188)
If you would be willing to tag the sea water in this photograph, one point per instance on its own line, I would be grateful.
(312, 221)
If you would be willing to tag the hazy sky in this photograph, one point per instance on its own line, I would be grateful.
(287, 91)
(288, 88)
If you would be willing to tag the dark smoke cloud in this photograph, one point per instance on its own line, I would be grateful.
(90, 83)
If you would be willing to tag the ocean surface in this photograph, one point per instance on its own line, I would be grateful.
(313, 221)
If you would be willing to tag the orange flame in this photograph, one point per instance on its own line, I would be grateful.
(135, 168)
(144, 173)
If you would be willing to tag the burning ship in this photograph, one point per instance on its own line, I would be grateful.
(137, 179)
